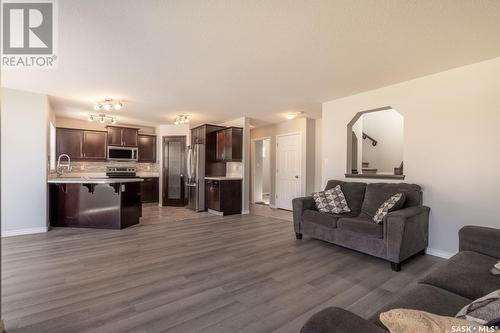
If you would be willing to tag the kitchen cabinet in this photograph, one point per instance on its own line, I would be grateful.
(150, 190)
(229, 144)
(81, 144)
(69, 141)
(147, 148)
(122, 136)
(94, 145)
(224, 196)
(198, 135)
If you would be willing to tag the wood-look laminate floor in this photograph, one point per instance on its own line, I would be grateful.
(210, 274)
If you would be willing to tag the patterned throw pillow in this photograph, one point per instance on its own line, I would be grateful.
(484, 310)
(331, 201)
(393, 203)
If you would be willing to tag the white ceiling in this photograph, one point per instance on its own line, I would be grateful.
(223, 59)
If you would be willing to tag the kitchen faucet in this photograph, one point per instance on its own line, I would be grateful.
(61, 166)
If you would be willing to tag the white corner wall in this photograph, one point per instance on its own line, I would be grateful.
(451, 138)
(24, 152)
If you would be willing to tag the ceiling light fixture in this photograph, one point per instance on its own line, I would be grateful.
(108, 104)
(181, 119)
(292, 115)
(102, 118)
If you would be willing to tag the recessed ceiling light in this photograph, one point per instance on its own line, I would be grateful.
(291, 116)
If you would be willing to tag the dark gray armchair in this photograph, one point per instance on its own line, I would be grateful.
(402, 234)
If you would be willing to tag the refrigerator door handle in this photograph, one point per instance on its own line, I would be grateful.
(188, 164)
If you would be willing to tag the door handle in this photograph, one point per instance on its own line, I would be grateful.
(297, 177)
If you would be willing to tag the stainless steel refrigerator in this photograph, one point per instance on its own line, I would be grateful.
(195, 185)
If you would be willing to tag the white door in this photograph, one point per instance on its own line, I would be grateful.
(288, 175)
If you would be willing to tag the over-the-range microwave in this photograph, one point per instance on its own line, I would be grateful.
(125, 154)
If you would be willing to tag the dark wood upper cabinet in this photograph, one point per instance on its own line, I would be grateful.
(114, 136)
(69, 141)
(122, 136)
(129, 136)
(147, 148)
(198, 135)
(229, 144)
(94, 145)
(81, 144)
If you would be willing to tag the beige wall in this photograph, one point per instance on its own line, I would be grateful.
(451, 137)
(318, 170)
(307, 128)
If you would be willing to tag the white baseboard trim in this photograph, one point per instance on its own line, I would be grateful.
(439, 253)
(245, 212)
(214, 212)
(27, 231)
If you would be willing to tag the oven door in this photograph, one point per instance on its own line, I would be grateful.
(122, 154)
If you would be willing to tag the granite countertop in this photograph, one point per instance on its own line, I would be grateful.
(147, 174)
(91, 180)
(76, 174)
(225, 178)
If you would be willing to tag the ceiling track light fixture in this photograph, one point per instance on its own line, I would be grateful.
(102, 118)
(108, 104)
(181, 119)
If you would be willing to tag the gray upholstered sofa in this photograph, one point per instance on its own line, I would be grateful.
(448, 288)
(402, 234)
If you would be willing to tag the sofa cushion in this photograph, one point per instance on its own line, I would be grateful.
(331, 201)
(395, 202)
(467, 274)
(377, 193)
(427, 298)
(362, 225)
(354, 193)
(324, 219)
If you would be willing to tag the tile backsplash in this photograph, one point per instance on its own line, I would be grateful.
(234, 169)
(98, 167)
(101, 166)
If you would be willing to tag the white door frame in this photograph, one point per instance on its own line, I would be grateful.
(252, 164)
(276, 180)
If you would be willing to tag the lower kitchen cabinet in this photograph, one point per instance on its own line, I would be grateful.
(224, 195)
(150, 190)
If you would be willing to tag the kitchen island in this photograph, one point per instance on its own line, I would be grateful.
(103, 203)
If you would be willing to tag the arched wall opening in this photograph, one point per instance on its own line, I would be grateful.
(375, 144)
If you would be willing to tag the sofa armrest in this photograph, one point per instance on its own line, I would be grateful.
(299, 206)
(406, 232)
(480, 239)
(337, 320)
